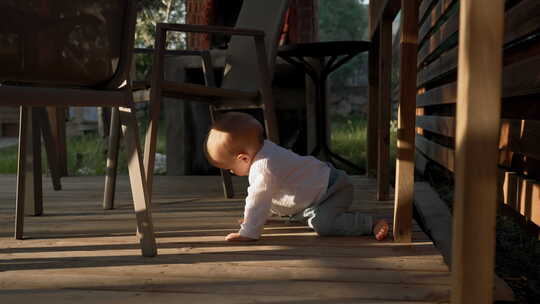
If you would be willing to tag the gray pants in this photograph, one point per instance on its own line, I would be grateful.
(331, 215)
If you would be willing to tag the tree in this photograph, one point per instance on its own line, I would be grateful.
(152, 12)
(344, 20)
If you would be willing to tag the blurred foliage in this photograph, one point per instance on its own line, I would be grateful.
(155, 11)
(344, 20)
(150, 13)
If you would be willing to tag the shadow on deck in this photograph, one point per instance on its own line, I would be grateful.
(78, 252)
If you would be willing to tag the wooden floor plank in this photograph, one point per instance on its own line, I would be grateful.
(78, 251)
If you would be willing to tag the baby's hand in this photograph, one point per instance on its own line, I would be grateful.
(236, 237)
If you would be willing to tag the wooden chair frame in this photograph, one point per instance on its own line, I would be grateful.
(116, 93)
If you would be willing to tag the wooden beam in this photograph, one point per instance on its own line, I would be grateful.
(380, 10)
(443, 65)
(477, 130)
(373, 110)
(435, 152)
(404, 194)
(522, 20)
(383, 129)
(443, 125)
(441, 95)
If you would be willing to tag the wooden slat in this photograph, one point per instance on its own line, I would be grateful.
(442, 125)
(522, 20)
(438, 153)
(479, 91)
(522, 78)
(520, 136)
(404, 194)
(420, 162)
(429, 22)
(423, 9)
(446, 4)
(523, 195)
(438, 39)
(433, 19)
(446, 63)
(445, 94)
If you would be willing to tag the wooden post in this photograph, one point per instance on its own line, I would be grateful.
(385, 70)
(178, 130)
(477, 134)
(404, 194)
(373, 108)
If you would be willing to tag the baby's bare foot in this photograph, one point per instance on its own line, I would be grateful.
(380, 229)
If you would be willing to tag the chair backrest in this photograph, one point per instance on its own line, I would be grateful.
(84, 43)
(241, 70)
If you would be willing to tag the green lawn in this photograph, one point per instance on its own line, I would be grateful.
(349, 139)
(86, 154)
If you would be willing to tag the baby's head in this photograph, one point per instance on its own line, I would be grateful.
(233, 141)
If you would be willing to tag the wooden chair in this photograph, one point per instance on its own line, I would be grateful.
(247, 76)
(71, 53)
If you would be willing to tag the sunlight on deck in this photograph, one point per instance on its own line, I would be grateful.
(77, 251)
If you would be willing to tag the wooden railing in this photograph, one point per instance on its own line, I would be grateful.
(519, 160)
(461, 138)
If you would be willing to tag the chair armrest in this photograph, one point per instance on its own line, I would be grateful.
(172, 52)
(208, 67)
(161, 51)
(196, 28)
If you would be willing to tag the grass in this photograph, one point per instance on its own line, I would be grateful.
(87, 155)
(349, 139)
(8, 160)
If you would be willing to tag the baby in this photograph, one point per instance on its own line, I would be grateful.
(284, 183)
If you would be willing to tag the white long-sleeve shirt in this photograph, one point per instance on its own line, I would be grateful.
(281, 182)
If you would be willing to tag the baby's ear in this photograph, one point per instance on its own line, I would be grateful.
(243, 157)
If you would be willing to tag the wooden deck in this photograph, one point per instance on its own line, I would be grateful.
(77, 252)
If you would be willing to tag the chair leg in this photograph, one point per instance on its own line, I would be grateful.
(112, 160)
(270, 122)
(21, 170)
(151, 142)
(137, 177)
(33, 182)
(228, 189)
(50, 148)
